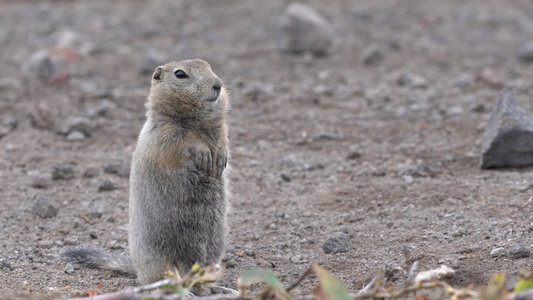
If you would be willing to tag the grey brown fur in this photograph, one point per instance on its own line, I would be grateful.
(178, 190)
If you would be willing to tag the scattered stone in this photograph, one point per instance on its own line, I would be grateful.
(120, 167)
(372, 55)
(102, 109)
(150, 63)
(93, 235)
(71, 241)
(231, 263)
(454, 111)
(75, 136)
(40, 180)
(263, 262)
(519, 251)
(353, 155)
(326, 137)
(508, 138)
(77, 42)
(259, 92)
(290, 160)
(441, 273)
(441, 261)
(297, 259)
(44, 207)
(285, 177)
(9, 124)
(63, 172)
(525, 53)
(96, 214)
(306, 30)
(412, 80)
(496, 252)
(46, 244)
(489, 77)
(113, 245)
(464, 81)
(81, 124)
(4, 131)
(69, 268)
(39, 66)
(107, 185)
(418, 170)
(249, 252)
(337, 244)
(90, 172)
(4, 264)
(41, 117)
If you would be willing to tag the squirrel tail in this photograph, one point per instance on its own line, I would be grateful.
(93, 258)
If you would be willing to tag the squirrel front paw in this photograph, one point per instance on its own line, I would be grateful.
(219, 163)
(203, 160)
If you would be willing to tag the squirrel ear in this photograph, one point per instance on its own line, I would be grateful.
(158, 74)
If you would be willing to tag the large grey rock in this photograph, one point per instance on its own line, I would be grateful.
(508, 139)
(306, 30)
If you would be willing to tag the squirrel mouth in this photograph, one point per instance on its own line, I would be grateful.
(214, 98)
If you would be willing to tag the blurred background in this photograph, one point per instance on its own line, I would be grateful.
(357, 121)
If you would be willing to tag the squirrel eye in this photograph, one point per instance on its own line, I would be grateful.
(180, 74)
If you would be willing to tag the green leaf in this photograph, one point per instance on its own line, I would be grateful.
(329, 287)
(263, 276)
(525, 282)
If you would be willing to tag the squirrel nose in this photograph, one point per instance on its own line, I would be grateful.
(217, 85)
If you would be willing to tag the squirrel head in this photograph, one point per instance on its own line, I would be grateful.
(181, 88)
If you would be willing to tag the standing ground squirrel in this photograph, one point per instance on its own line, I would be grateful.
(178, 187)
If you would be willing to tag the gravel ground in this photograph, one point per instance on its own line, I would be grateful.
(372, 150)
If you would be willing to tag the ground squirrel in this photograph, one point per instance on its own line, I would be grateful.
(178, 187)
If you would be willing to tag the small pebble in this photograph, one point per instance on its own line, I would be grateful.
(285, 177)
(63, 172)
(107, 185)
(372, 55)
(121, 168)
(90, 172)
(231, 263)
(81, 124)
(4, 264)
(297, 259)
(519, 251)
(40, 180)
(44, 207)
(498, 252)
(337, 244)
(39, 65)
(75, 136)
(46, 244)
(249, 252)
(526, 52)
(41, 117)
(69, 269)
(326, 137)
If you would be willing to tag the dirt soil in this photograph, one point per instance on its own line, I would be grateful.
(386, 153)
